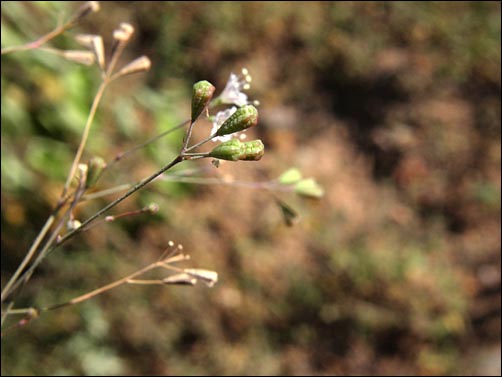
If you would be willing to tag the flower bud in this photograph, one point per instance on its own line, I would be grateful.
(80, 57)
(229, 150)
(153, 208)
(180, 279)
(202, 93)
(207, 276)
(124, 32)
(85, 39)
(140, 64)
(245, 117)
(84, 10)
(81, 173)
(96, 165)
(252, 150)
(95, 43)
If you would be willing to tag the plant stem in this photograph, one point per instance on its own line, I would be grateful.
(187, 137)
(19, 311)
(43, 252)
(135, 188)
(7, 289)
(121, 155)
(6, 312)
(27, 258)
(37, 43)
(106, 288)
(266, 185)
(198, 144)
(48, 248)
(85, 135)
(111, 190)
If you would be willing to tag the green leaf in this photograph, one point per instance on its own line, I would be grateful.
(289, 215)
(310, 188)
(290, 176)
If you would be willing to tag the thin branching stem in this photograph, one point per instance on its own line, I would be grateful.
(43, 232)
(102, 289)
(265, 185)
(126, 280)
(135, 188)
(164, 262)
(33, 248)
(19, 311)
(198, 144)
(187, 137)
(60, 29)
(28, 257)
(50, 246)
(111, 190)
(121, 155)
(23, 279)
(85, 135)
(37, 43)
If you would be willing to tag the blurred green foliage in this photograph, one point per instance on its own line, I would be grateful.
(393, 106)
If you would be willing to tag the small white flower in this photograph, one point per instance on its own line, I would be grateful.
(219, 119)
(233, 92)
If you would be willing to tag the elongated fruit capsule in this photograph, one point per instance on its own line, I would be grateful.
(245, 117)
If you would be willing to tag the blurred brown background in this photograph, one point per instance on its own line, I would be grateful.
(393, 107)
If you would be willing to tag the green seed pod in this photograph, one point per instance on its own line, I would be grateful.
(230, 150)
(245, 117)
(202, 93)
(96, 166)
(252, 150)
